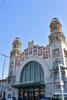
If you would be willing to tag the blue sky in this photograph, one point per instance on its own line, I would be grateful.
(29, 20)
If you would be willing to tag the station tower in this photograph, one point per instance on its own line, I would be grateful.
(14, 54)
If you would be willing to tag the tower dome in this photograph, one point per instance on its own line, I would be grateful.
(16, 47)
(55, 25)
(17, 44)
(17, 39)
(55, 20)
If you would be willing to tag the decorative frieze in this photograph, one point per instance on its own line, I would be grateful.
(36, 50)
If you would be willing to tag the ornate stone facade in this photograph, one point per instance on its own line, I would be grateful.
(44, 60)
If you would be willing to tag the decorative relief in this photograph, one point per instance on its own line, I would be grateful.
(40, 51)
(26, 53)
(30, 51)
(22, 56)
(36, 50)
(56, 52)
(45, 52)
(18, 62)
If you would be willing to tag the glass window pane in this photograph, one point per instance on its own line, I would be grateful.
(32, 72)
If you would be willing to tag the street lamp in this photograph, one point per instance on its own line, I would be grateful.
(3, 68)
(61, 81)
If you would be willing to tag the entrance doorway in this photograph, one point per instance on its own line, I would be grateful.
(31, 92)
(31, 85)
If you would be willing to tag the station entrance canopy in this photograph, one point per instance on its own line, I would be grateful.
(29, 85)
(30, 91)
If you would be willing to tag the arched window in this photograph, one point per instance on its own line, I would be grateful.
(55, 29)
(32, 72)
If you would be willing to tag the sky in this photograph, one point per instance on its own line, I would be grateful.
(29, 20)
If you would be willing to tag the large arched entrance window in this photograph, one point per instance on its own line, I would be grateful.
(32, 72)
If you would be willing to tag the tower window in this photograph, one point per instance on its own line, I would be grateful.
(57, 38)
(14, 46)
(55, 28)
(51, 40)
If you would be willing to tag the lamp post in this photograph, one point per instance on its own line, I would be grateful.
(3, 68)
(61, 81)
(3, 63)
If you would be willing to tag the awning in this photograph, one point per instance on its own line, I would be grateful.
(28, 85)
